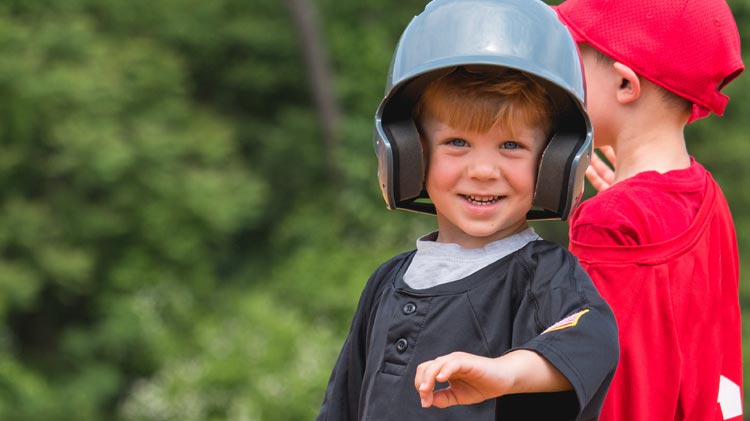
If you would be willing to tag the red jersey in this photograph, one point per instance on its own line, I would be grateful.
(662, 250)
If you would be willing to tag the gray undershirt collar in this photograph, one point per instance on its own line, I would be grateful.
(439, 263)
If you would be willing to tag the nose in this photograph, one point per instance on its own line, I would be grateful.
(483, 166)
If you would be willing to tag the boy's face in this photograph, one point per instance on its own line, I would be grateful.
(482, 184)
(601, 88)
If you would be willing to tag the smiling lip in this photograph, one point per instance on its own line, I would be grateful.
(481, 200)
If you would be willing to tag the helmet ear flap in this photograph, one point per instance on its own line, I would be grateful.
(559, 183)
(401, 167)
(401, 159)
(408, 156)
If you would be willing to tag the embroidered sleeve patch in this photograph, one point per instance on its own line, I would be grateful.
(567, 322)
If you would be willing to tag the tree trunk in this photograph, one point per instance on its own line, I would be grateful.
(320, 77)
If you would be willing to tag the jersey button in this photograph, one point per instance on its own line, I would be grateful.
(409, 308)
(401, 345)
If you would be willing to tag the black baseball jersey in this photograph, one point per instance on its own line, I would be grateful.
(537, 298)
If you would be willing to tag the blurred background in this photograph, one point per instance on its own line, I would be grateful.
(189, 206)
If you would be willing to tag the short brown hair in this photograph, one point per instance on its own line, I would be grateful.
(476, 99)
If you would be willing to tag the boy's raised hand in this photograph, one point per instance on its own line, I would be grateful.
(600, 175)
(473, 379)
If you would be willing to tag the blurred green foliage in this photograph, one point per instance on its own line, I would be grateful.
(172, 244)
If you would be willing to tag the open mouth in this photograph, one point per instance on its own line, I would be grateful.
(481, 200)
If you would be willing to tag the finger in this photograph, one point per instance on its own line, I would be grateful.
(425, 377)
(600, 173)
(426, 398)
(419, 376)
(601, 167)
(609, 153)
(444, 398)
(448, 368)
(424, 381)
(438, 370)
(596, 181)
(604, 170)
(425, 393)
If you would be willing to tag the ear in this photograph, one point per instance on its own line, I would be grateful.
(630, 88)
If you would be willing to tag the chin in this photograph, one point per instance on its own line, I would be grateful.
(483, 234)
(494, 231)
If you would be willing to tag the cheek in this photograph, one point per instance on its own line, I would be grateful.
(438, 174)
(443, 176)
(522, 176)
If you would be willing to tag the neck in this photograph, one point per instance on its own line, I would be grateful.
(661, 147)
(650, 154)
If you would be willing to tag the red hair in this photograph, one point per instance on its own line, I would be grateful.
(478, 100)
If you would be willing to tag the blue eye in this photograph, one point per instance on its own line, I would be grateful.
(457, 142)
(510, 145)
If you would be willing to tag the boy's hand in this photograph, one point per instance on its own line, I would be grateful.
(600, 175)
(471, 379)
(474, 379)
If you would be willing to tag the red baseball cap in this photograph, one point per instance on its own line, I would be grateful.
(689, 47)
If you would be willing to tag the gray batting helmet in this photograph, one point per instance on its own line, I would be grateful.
(524, 35)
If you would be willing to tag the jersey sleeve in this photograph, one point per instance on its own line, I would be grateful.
(576, 329)
(605, 221)
(603, 235)
(341, 400)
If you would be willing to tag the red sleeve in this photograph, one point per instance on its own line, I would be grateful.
(605, 220)
(598, 234)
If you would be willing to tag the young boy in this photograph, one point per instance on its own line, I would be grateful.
(658, 240)
(490, 94)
